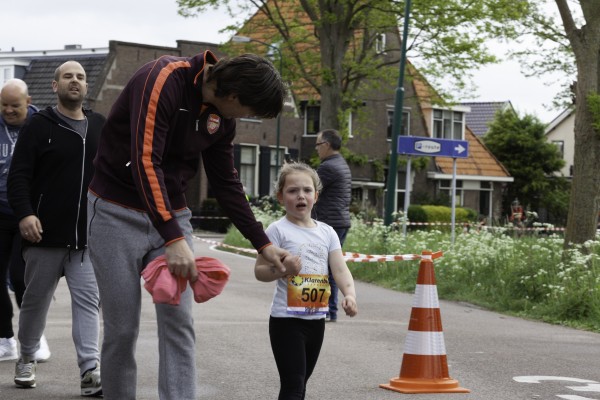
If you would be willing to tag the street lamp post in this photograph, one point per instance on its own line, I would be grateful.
(246, 39)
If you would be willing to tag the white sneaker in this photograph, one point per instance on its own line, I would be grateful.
(43, 353)
(8, 349)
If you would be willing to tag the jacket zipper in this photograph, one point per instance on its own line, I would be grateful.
(80, 182)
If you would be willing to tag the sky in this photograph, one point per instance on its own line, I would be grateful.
(45, 25)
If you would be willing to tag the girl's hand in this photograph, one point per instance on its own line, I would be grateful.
(292, 265)
(350, 306)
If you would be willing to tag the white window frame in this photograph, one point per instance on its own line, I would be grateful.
(460, 199)
(446, 120)
(248, 172)
(273, 166)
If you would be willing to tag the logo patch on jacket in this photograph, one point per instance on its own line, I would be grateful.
(213, 123)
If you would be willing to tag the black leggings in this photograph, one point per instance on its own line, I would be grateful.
(296, 345)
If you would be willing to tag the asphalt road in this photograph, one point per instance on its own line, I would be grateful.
(495, 356)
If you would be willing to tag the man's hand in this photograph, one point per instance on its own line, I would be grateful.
(181, 260)
(31, 228)
(274, 255)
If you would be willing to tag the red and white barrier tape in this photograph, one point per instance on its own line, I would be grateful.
(348, 257)
(355, 257)
(221, 244)
(474, 226)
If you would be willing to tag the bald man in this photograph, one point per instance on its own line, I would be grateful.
(47, 186)
(15, 109)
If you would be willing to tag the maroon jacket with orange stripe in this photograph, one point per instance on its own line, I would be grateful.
(151, 144)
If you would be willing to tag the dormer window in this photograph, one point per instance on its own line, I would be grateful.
(448, 124)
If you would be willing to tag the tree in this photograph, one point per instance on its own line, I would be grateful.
(447, 40)
(339, 36)
(574, 49)
(520, 144)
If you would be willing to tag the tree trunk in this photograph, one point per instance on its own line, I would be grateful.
(334, 34)
(585, 190)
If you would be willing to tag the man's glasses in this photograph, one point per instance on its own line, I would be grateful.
(319, 143)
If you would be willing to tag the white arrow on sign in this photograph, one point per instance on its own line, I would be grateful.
(459, 149)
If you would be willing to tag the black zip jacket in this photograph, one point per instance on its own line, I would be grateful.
(51, 169)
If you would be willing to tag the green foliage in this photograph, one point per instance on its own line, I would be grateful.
(353, 158)
(378, 170)
(416, 213)
(416, 163)
(431, 213)
(520, 144)
(447, 39)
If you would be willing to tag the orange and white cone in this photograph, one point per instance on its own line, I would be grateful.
(424, 364)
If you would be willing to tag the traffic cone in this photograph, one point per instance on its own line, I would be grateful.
(424, 365)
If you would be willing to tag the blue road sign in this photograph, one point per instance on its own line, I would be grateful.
(424, 146)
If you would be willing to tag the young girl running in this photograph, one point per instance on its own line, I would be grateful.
(300, 302)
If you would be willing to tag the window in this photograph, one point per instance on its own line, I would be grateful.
(448, 124)
(445, 188)
(273, 171)
(6, 73)
(405, 131)
(312, 120)
(248, 171)
(560, 145)
(400, 189)
(485, 197)
(350, 123)
(380, 43)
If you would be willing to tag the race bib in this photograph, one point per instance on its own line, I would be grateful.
(308, 294)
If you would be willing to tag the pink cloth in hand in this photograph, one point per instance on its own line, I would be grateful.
(166, 288)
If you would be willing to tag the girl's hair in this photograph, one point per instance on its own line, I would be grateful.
(293, 167)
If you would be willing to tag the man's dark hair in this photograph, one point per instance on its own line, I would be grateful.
(254, 80)
(332, 137)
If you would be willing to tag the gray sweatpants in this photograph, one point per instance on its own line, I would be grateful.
(122, 242)
(44, 267)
